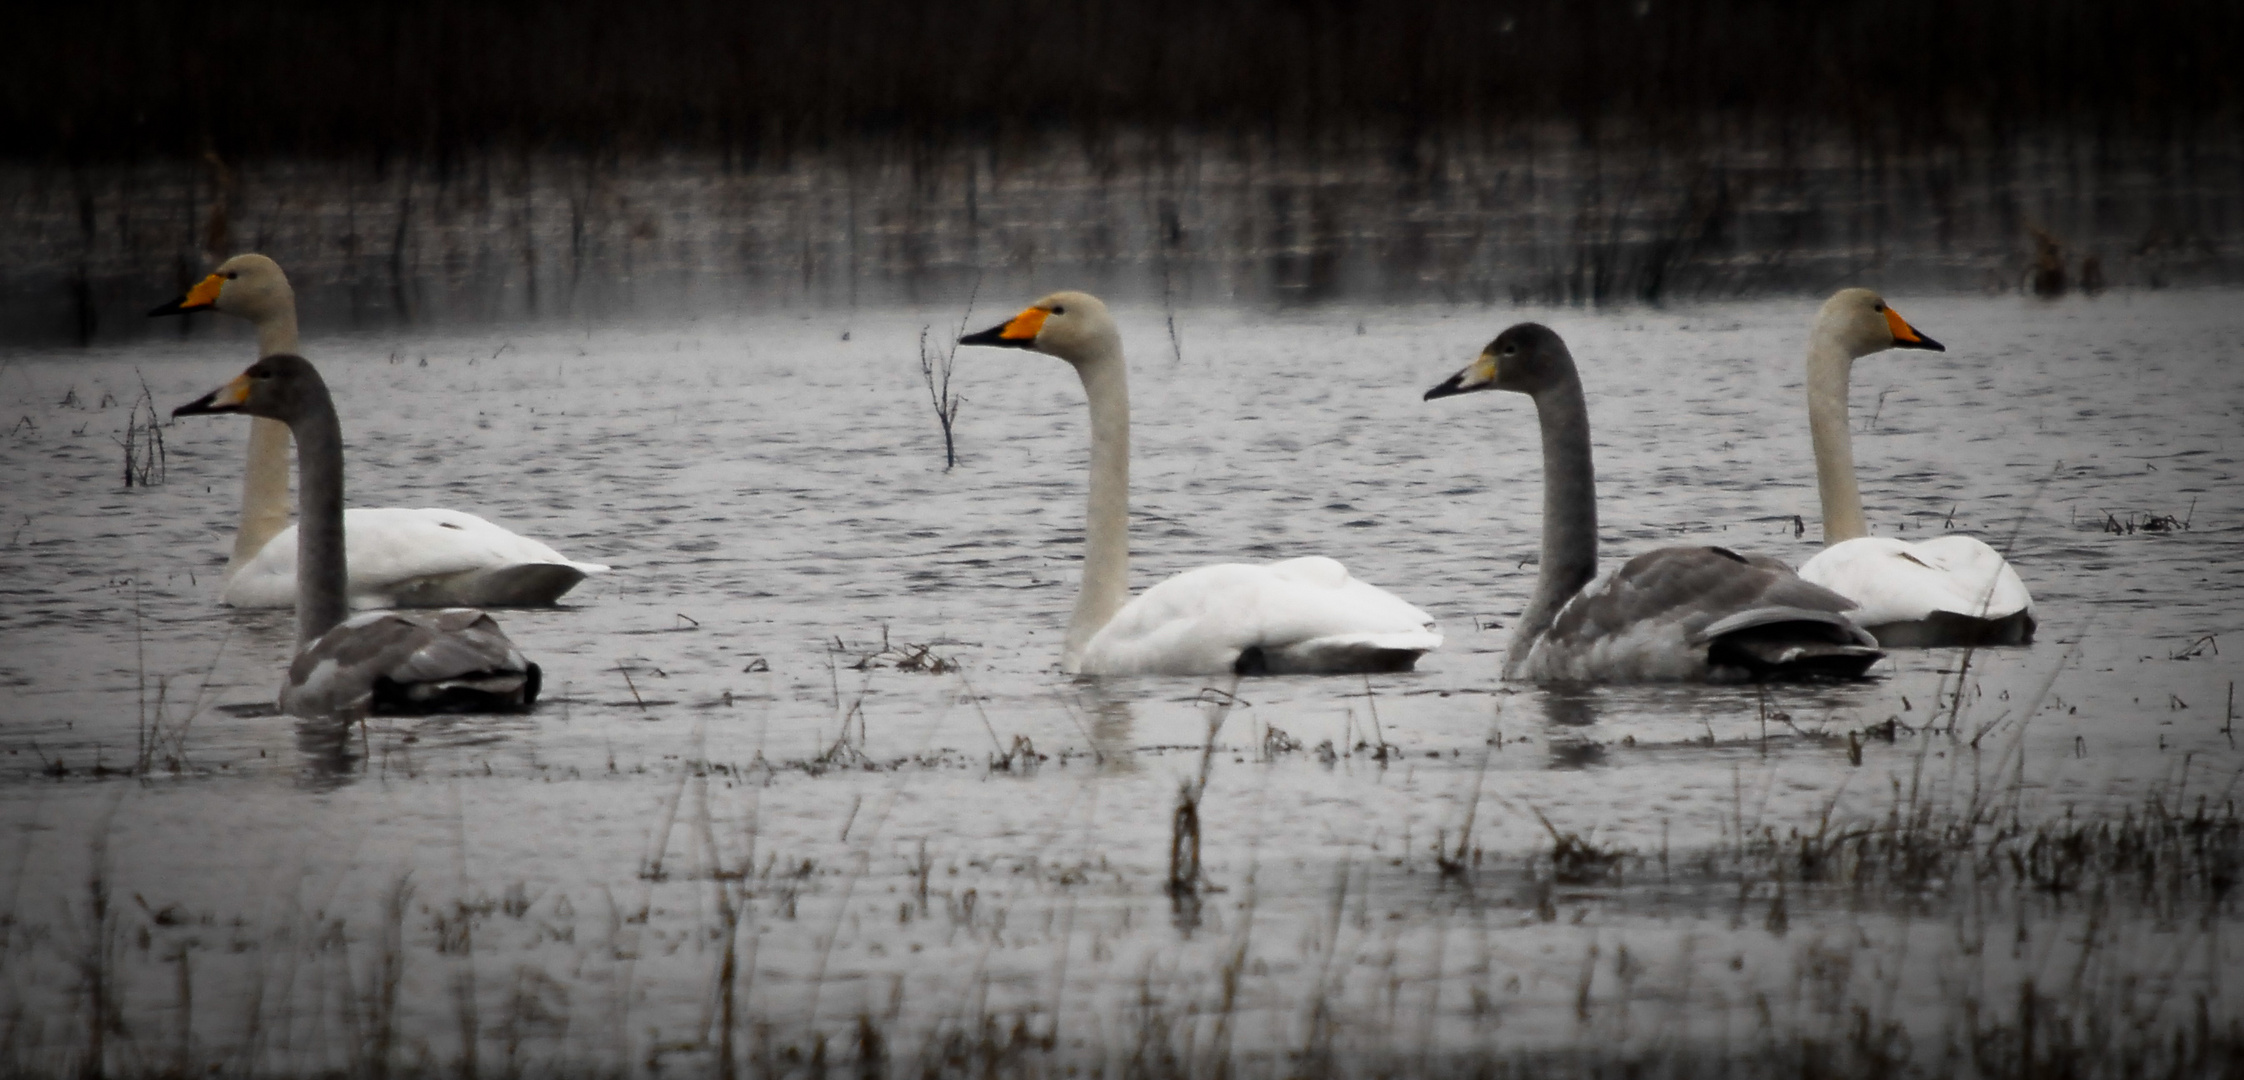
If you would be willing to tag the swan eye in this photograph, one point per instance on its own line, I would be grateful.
(1879, 307)
(233, 275)
(1058, 310)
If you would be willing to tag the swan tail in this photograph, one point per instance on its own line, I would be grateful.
(475, 692)
(1948, 629)
(1785, 643)
(1766, 659)
(1339, 654)
(538, 584)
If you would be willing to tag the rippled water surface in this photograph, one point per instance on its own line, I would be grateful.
(723, 728)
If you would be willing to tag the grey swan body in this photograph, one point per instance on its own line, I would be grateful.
(1947, 591)
(453, 660)
(395, 556)
(1688, 614)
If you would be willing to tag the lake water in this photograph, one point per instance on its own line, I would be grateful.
(716, 750)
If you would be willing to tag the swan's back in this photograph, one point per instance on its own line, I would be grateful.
(430, 557)
(1699, 614)
(1949, 590)
(454, 660)
(1300, 616)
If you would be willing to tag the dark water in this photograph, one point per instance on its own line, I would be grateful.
(770, 490)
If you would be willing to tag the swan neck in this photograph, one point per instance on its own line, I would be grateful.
(322, 576)
(1106, 524)
(1828, 370)
(265, 508)
(276, 331)
(1569, 558)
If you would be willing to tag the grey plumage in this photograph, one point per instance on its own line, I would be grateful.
(1682, 613)
(454, 660)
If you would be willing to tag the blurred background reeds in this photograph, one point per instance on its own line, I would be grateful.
(420, 159)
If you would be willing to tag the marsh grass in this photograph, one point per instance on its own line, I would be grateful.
(2079, 950)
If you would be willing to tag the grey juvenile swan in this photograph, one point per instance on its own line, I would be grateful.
(1303, 616)
(398, 556)
(1700, 614)
(452, 660)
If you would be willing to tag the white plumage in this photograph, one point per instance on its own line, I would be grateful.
(1297, 617)
(1897, 582)
(1300, 616)
(398, 557)
(427, 557)
(1952, 590)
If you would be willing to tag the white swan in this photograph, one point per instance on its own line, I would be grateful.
(1300, 616)
(1951, 590)
(397, 557)
(454, 660)
(1698, 614)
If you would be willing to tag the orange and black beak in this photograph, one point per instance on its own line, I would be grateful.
(202, 297)
(226, 399)
(1906, 336)
(1018, 332)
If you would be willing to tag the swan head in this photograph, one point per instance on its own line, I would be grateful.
(249, 286)
(1862, 323)
(1073, 326)
(281, 387)
(1527, 359)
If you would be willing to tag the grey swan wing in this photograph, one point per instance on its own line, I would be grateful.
(1711, 613)
(451, 660)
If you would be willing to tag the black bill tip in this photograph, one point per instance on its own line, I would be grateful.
(178, 306)
(1922, 342)
(1449, 387)
(204, 404)
(994, 336)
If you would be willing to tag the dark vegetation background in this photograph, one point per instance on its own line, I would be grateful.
(131, 81)
(1665, 143)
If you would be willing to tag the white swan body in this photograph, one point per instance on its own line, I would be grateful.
(1950, 590)
(1928, 593)
(397, 557)
(1299, 616)
(418, 558)
(456, 660)
(1679, 614)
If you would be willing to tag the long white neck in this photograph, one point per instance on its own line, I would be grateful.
(265, 507)
(1106, 525)
(1829, 364)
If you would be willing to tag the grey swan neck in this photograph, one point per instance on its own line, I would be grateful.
(1106, 523)
(1829, 368)
(1569, 558)
(322, 576)
(265, 509)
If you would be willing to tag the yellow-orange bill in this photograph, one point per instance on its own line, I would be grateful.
(1902, 331)
(204, 294)
(1024, 326)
